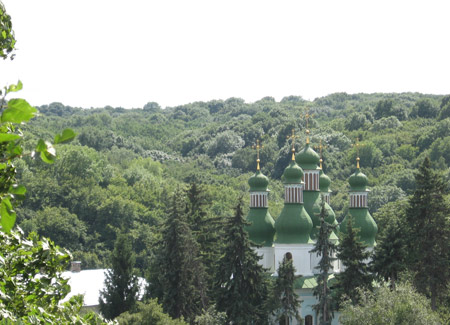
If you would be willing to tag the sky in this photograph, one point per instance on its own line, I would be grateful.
(94, 53)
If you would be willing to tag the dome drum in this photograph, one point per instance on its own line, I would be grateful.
(311, 179)
(259, 200)
(293, 193)
(358, 200)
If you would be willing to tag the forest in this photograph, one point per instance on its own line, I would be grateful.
(125, 168)
(162, 193)
(122, 167)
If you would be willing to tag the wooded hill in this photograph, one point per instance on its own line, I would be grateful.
(124, 165)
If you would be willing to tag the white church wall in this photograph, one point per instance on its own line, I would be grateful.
(300, 257)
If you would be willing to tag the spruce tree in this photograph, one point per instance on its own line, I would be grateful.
(429, 233)
(205, 228)
(121, 283)
(241, 286)
(178, 275)
(286, 303)
(390, 253)
(353, 255)
(326, 249)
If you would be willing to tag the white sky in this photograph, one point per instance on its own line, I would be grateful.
(93, 53)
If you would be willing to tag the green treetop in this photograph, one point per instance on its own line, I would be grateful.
(241, 288)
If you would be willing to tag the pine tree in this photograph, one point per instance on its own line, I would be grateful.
(389, 258)
(325, 248)
(353, 256)
(178, 275)
(286, 302)
(241, 286)
(429, 233)
(205, 228)
(121, 283)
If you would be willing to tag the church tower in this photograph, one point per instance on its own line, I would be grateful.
(308, 160)
(293, 226)
(359, 210)
(262, 229)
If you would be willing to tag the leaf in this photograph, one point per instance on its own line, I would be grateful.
(17, 189)
(14, 88)
(48, 152)
(66, 136)
(8, 216)
(6, 137)
(18, 111)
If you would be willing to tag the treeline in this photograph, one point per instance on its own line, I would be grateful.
(122, 170)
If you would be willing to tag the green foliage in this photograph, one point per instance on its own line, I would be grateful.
(121, 284)
(286, 303)
(425, 108)
(403, 306)
(325, 248)
(444, 108)
(211, 317)
(7, 39)
(241, 286)
(355, 276)
(31, 283)
(428, 231)
(387, 108)
(148, 313)
(177, 276)
(389, 258)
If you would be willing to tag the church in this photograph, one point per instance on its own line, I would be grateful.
(294, 232)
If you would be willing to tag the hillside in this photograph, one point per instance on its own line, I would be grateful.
(124, 164)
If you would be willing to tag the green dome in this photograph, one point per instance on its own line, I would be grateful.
(311, 201)
(293, 173)
(364, 222)
(358, 181)
(258, 182)
(307, 158)
(294, 225)
(324, 182)
(262, 227)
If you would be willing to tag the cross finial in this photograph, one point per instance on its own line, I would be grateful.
(320, 147)
(292, 137)
(307, 116)
(357, 145)
(258, 146)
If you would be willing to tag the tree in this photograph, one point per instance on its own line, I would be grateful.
(444, 108)
(389, 257)
(7, 39)
(205, 229)
(353, 256)
(326, 248)
(177, 277)
(403, 306)
(241, 287)
(429, 233)
(425, 108)
(121, 283)
(32, 285)
(149, 313)
(286, 303)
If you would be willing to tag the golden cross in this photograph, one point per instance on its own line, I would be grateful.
(307, 116)
(357, 145)
(320, 147)
(292, 137)
(257, 147)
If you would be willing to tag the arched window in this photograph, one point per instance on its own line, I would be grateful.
(308, 320)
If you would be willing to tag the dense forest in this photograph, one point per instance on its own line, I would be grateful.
(125, 163)
(163, 194)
